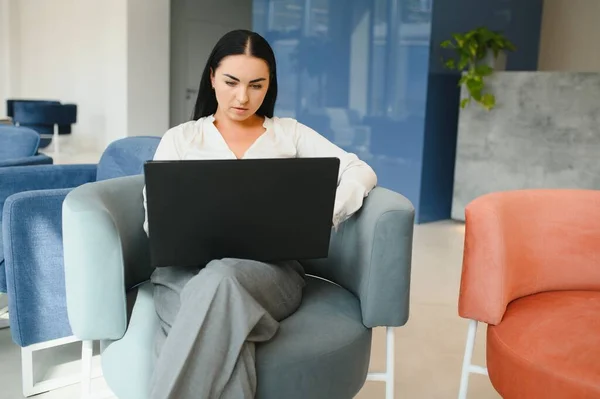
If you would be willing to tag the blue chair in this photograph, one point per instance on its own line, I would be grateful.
(320, 352)
(43, 116)
(33, 273)
(19, 147)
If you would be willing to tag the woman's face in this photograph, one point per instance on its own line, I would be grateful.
(240, 84)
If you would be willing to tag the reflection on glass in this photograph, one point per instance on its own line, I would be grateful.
(364, 72)
(355, 71)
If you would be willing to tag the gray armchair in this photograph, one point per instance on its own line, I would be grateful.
(322, 351)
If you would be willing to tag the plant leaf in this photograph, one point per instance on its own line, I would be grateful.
(465, 102)
(488, 100)
(476, 95)
(464, 61)
(484, 70)
(473, 49)
(450, 64)
(459, 38)
(475, 86)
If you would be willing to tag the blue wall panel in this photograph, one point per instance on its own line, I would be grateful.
(359, 78)
(366, 74)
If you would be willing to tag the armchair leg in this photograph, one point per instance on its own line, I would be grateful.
(29, 384)
(390, 359)
(388, 376)
(87, 352)
(88, 372)
(55, 138)
(4, 317)
(468, 367)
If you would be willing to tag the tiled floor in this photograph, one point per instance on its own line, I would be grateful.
(429, 349)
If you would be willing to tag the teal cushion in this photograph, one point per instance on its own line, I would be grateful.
(321, 351)
(127, 363)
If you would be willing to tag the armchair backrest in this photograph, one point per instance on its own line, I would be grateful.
(10, 104)
(524, 242)
(126, 157)
(43, 113)
(17, 142)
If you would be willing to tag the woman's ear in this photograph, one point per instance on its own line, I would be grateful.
(212, 78)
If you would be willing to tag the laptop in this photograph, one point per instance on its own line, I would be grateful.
(259, 209)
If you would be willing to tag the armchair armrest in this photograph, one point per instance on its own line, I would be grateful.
(39, 159)
(43, 177)
(524, 242)
(34, 266)
(106, 252)
(370, 255)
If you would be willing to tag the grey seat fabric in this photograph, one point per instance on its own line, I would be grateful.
(321, 351)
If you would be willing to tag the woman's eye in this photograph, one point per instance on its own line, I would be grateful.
(257, 87)
(229, 83)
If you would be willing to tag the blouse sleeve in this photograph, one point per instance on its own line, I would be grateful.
(356, 178)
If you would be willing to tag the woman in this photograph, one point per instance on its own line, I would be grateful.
(212, 316)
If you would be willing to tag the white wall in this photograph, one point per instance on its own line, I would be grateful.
(148, 67)
(4, 55)
(570, 38)
(91, 53)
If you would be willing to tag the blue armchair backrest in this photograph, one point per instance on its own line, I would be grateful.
(126, 157)
(11, 103)
(43, 113)
(17, 142)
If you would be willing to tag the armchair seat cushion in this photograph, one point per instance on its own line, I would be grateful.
(321, 351)
(547, 346)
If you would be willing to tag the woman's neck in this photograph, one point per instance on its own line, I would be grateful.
(227, 123)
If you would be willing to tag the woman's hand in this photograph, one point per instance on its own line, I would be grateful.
(339, 214)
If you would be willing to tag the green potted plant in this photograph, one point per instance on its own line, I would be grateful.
(473, 49)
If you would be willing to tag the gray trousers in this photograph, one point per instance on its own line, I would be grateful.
(210, 320)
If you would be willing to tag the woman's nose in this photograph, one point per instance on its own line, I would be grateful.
(242, 96)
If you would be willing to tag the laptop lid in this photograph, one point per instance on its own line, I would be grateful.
(258, 209)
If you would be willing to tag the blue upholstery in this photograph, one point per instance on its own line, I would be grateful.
(19, 146)
(127, 158)
(32, 200)
(33, 250)
(29, 179)
(42, 115)
(40, 159)
(35, 113)
(16, 142)
(10, 109)
(70, 113)
(322, 351)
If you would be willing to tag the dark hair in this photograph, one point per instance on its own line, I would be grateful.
(235, 43)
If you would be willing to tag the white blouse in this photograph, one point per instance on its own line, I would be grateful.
(283, 138)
